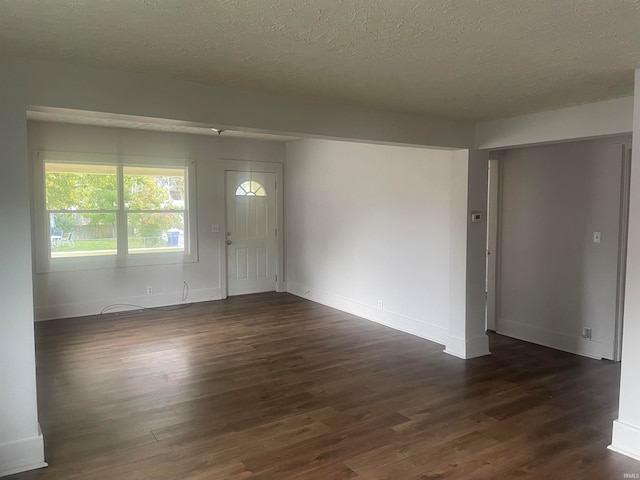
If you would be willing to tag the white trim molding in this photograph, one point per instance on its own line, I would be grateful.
(625, 439)
(550, 338)
(95, 307)
(23, 455)
(469, 348)
(389, 319)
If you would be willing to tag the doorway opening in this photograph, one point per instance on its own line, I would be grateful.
(557, 219)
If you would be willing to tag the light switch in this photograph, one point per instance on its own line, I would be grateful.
(215, 228)
(596, 237)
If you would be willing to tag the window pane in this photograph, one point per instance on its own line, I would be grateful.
(148, 188)
(251, 189)
(72, 186)
(155, 232)
(82, 235)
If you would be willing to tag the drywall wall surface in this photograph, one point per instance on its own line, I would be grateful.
(368, 224)
(21, 445)
(458, 252)
(626, 430)
(81, 292)
(554, 280)
(478, 171)
(467, 255)
(611, 117)
(53, 84)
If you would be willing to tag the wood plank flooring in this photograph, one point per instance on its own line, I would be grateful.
(272, 386)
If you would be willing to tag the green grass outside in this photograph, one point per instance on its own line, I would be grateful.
(104, 244)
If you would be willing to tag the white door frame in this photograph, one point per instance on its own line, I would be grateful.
(493, 240)
(232, 165)
(622, 250)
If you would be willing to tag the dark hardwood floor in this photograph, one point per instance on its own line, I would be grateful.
(273, 386)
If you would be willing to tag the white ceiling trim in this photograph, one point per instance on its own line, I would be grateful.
(61, 115)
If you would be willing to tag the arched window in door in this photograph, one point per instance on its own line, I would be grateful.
(250, 189)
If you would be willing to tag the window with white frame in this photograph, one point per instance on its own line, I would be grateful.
(107, 210)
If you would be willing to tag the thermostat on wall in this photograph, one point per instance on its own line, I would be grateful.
(476, 217)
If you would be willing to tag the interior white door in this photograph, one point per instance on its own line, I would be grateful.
(251, 232)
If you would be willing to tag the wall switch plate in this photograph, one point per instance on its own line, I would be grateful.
(476, 217)
(596, 237)
(215, 228)
(586, 333)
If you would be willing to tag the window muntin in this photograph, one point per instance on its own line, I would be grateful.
(250, 188)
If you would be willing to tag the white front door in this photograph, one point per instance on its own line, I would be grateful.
(251, 232)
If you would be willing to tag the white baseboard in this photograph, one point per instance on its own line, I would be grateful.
(51, 312)
(550, 338)
(393, 320)
(23, 455)
(625, 440)
(469, 348)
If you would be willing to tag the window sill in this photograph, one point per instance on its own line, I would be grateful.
(103, 260)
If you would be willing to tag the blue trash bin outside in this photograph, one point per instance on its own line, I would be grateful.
(173, 235)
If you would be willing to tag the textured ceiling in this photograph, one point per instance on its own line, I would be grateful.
(464, 59)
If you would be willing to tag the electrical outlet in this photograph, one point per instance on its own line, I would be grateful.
(149, 290)
(380, 304)
(586, 333)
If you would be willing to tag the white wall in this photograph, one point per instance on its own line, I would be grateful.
(83, 292)
(626, 430)
(21, 444)
(611, 117)
(467, 255)
(554, 279)
(53, 84)
(366, 223)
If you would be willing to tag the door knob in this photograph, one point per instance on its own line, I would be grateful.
(229, 242)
